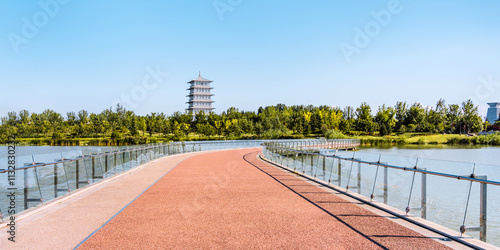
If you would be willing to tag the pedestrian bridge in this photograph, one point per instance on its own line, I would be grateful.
(216, 198)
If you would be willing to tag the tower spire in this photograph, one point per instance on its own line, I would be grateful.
(199, 75)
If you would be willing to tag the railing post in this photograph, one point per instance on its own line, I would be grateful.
(77, 174)
(25, 189)
(483, 208)
(55, 180)
(106, 162)
(294, 161)
(78, 182)
(424, 195)
(312, 164)
(340, 173)
(324, 166)
(287, 158)
(93, 166)
(130, 158)
(386, 183)
(302, 161)
(359, 178)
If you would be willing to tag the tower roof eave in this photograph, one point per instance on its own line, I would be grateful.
(200, 79)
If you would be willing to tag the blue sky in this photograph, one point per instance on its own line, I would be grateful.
(89, 54)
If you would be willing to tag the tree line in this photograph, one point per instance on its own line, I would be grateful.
(271, 122)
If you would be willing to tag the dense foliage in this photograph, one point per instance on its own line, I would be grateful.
(278, 121)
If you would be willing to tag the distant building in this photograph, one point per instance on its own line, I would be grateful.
(200, 97)
(493, 112)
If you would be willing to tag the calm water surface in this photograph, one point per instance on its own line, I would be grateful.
(480, 155)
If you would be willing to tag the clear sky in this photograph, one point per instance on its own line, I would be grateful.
(71, 55)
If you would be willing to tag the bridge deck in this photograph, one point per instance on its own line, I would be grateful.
(233, 200)
(226, 199)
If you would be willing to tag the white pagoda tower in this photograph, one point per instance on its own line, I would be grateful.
(200, 97)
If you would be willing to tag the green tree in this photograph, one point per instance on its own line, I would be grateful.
(348, 120)
(400, 115)
(206, 129)
(134, 127)
(415, 115)
(143, 126)
(471, 121)
(385, 120)
(453, 118)
(316, 122)
(364, 118)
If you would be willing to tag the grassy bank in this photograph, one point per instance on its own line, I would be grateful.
(429, 139)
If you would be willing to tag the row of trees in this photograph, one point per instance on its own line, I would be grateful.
(268, 122)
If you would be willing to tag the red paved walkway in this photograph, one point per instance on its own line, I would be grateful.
(219, 200)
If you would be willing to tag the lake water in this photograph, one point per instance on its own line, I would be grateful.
(476, 154)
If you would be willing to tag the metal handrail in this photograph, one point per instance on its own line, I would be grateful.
(34, 165)
(414, 169)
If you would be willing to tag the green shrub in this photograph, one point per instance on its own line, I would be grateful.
(421, 141)
(400, 141)
(377, 141)
(248, 137)
(495, 140)
(291, 137)
(57, 135)
(334, 134)
(459, 140)
(276, 134)
(116, 135)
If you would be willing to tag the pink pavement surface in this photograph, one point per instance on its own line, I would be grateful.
(232, 200)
